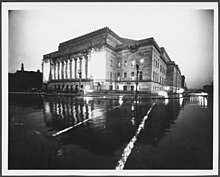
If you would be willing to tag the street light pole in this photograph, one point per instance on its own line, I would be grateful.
(136, 93)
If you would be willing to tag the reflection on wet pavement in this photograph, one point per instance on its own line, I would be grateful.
(91, 133)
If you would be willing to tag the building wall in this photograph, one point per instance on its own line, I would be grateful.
(126, 72)
(159, 69)
(174, 78)
(111, 64)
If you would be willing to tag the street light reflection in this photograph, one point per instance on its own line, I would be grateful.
(166, 101)
(203, 101)
(120, 100)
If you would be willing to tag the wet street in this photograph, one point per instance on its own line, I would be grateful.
(64, 132)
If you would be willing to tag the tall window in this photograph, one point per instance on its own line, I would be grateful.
(125, 63)
(119, 64)
(153, 76)
(111, 63)
(110, 75)
(132, 76)
(125, 75)
(140, 75)
(118, 76)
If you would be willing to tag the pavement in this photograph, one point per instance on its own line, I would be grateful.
(30, 149)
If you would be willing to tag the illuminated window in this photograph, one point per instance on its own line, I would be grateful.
(119, 64)
(118, 76)
(132, 75)
(132, 63)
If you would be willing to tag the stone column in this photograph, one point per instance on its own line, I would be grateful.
(80, 64)
(86, 67)
(51, 68)
(57, 70)
(62, 69)
(54, 67)
(70, 68)
(75, 68)
(66, 69)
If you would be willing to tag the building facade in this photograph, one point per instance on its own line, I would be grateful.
(101, 60)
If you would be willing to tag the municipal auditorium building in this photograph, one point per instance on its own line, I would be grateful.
(102, 60)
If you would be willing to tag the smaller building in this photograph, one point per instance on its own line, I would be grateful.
(208, 89)
(22, 80)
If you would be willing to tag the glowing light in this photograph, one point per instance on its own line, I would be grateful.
(204, 94)
(203, 101)
(163, 93)
(167, 88)
(87, 99)
(120, 100)
(181, 101)
(181, 90)
(142, 60)
(166, 101)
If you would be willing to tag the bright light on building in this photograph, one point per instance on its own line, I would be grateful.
(181, 90)
(163, 93)
(167, 88)
(203, 94)
(142, 60)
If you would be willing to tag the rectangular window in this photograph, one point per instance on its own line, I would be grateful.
(132, 76)
(140, 75)
(132, 88)
(111, 63)
(110, 75)
(125, 75)
(118, 77)
(117, 87)
(125, 88)
(125, 63)
(119, 64)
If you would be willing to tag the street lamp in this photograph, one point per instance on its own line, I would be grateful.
(80, 76)
(138, 62)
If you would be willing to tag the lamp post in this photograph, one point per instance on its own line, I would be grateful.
(80, 76)
(138, 62)
(136, 92)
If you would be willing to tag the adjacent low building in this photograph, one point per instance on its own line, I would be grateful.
(25, 81)
(102, 60)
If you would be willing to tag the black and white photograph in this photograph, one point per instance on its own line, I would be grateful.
(110, 88)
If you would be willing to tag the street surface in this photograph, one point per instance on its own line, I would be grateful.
(64, 132)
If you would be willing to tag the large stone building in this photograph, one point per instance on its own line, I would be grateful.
(106, 61)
